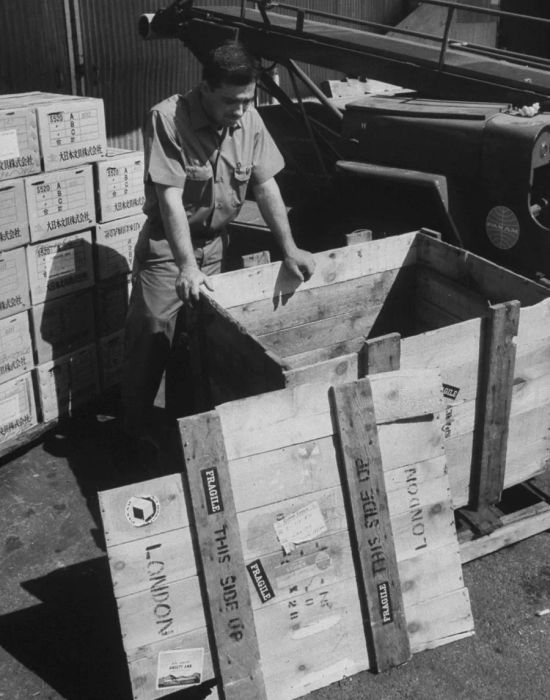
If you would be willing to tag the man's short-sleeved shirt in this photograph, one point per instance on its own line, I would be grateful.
(183, 149)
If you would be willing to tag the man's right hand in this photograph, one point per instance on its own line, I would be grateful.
(188, 284)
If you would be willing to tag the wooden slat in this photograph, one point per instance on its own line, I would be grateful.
(143, 665)
(215, 520)
(440, 620)
(385, 626)
(515, 527)
(309, 305)
(131, 562)
(380, 355)
(335, 371)
(362, 235)
(318, 334)
(262, 257)
(451, 297)
(454, 350)
(273, 282)
(495, 283)
(303, 414)
(167, 490)
(329, 352)
(231, 350)
(301, 468)
(498, 376)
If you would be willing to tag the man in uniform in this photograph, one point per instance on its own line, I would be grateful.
(202, 150)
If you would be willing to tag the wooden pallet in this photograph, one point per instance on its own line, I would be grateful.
(312, 537)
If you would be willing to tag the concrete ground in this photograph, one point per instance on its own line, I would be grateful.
(58, 622)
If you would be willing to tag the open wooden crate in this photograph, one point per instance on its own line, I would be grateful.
(310, 536)
(406, 301)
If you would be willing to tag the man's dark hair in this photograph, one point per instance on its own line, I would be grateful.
(230, 64)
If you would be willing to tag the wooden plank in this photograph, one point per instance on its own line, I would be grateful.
(311, 640)
(164, 499)
(534, 323)
(495, 283)
(380, 355)
(385, 625)
(450, 296)
(439, 570)
(133, 562)
(274, 282)
(226, 336)
(215, 519)
(274, 476)
(291, 417)
(167, 609)
(143, 666)
(496, 389)
(260, 540)
(261, 257)
(335, 371)
(515, 527)
(329, 352)
(319, 333)
(361, 235)
(308, 305)
(454, 350)
(430, 316)
(440, 620)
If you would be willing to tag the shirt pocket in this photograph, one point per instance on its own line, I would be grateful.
(241, 176)
(197, 191)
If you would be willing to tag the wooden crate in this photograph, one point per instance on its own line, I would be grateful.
(318, 523)
(409, 301)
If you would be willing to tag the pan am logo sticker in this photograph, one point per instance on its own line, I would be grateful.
(502, 227)
(142, 510)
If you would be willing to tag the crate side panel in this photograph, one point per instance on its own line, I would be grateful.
(332, 266)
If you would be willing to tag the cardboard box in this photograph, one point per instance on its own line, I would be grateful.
(112, 298)
(115, 244)
(63, 325)
(111, 359)
(61, 202)
(14, 282)
(71, 129)
(60, 266)
(17, 407)
(15, 346)
(14, 223)
(19, 148)
(119, 185)
(67, 383)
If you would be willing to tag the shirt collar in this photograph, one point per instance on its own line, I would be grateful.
(197, 116)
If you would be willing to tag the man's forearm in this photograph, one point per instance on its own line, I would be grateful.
(176, 226)
(273, 209)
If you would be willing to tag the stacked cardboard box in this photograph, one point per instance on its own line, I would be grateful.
(120, 198)
(70, 212)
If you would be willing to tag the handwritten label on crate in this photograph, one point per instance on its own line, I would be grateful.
(305, 524)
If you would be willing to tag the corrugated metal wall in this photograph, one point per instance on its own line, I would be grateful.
(33, 52)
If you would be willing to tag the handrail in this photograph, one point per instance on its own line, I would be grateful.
(444, 40)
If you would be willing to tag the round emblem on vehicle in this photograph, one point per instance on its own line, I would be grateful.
(502, 227)
(142, 510)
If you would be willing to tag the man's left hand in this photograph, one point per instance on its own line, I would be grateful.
(300, 264)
